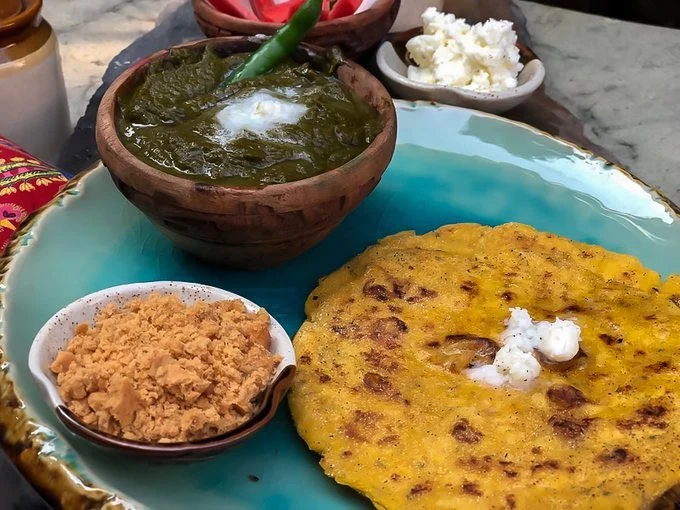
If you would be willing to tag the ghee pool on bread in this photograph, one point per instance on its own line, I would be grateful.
(382, 395)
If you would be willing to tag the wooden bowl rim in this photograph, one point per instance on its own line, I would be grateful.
(107, 132)
(374, 13)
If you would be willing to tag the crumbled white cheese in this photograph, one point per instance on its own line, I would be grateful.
(487, 374)
(258, 113)
(515, 363)
(519, 367)
(558, 341)
(483, 57)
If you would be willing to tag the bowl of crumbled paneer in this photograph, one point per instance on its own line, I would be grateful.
(164, 369)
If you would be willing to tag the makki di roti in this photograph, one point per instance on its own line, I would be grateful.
(382, 395)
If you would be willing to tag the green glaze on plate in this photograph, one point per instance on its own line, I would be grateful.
(451, 165)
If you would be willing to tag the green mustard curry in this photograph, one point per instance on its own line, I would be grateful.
(174, 120)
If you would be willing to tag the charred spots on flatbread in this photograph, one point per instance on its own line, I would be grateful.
(471, 489)
(350, 330)
(610, 340)
(397, 289)
(464, 432)
(617, 456)
(323, 377)
(511, 501)
(422, 294)
(633, 423)
(477, 464)
(650, 415)
(376, 291)
(570, 428)
(652, 411)
(400, 288)
(547, 465)
(508, 296)
(470, 287)
(391, 440)
(305, 359)
(427, 293)
(361, 425)
(380, 359)
(388, 331)
(675, 299)
(566, 396)
(376, 383)
(572, 308)
(660, 366)
(419, 489)
(625, 389)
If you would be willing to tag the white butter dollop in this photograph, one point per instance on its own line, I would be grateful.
(483, 57)
(515, 363)
(258, 113)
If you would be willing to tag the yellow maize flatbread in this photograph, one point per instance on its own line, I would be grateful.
(381, 392)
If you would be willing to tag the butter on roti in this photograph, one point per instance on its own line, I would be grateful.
(381, 391)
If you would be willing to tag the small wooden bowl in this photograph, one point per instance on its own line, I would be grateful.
(247, 228)
(356, 34)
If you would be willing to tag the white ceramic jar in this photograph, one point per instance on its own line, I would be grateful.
(33, 105)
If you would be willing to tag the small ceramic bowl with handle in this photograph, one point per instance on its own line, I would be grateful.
(391, 61)
(58, 331)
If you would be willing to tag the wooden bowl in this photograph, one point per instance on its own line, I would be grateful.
(243, 227)
(356, 35)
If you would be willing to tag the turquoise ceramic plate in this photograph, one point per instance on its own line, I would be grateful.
(451, 165)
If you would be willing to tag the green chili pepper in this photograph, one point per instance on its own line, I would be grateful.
(282, 44)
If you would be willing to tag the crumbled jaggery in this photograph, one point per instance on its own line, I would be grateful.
(158, 370)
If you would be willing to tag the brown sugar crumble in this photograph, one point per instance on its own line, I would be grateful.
(157, 370)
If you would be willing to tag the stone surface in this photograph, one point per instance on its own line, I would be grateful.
(622, 80)
(616, 77)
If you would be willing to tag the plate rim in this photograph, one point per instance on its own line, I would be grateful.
(648, 188)
(52, 477)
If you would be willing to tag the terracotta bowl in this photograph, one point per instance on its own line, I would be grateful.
(57, 332)
(247, 227)
(356, 35)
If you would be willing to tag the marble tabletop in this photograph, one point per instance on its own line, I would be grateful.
(618, 78)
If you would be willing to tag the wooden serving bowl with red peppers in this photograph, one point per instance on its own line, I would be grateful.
(356, 34)
(247, 227)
